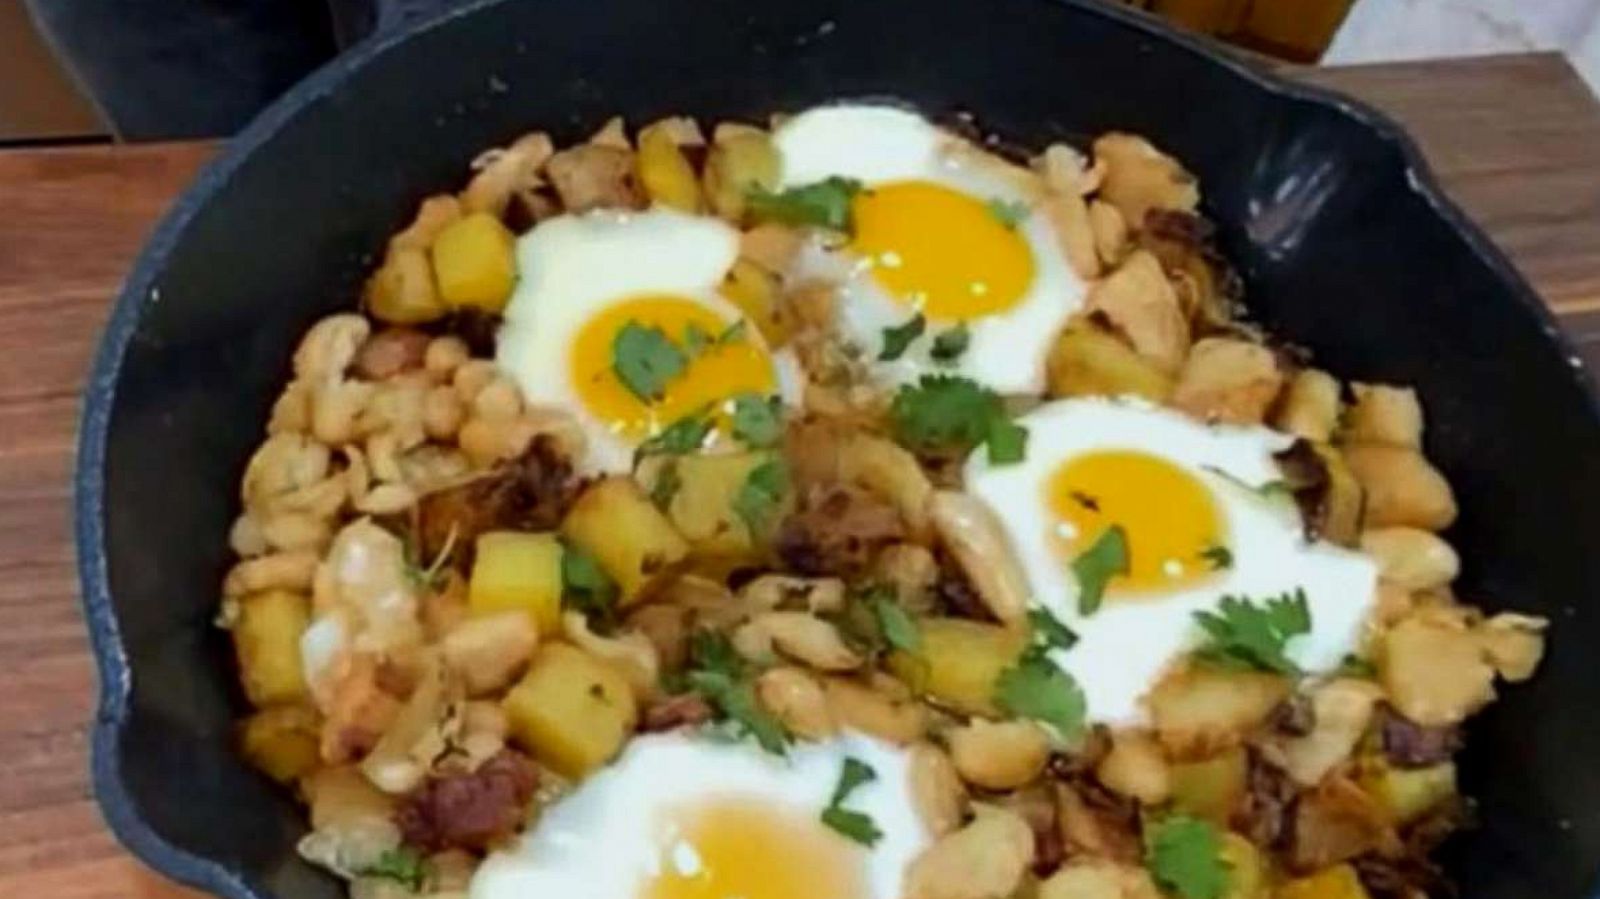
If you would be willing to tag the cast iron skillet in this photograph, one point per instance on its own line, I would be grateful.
(1347, 246)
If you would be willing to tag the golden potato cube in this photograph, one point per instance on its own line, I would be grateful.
(1337, 882)
(281, 741)
(702, 507)
(571, 710)
(1199, 710)
(1383, 413)
(517, 571)
(402, 290)
(1402, 487)
(474, 262)
(1086, 361)
(738, 163)
(664, 171)
(1309, 406)
(1210, 788)
(1434, 669)
(266, 639)
(1247, 868)
(755, 291)
(1408, 794)
(630, 538)
(960, 662)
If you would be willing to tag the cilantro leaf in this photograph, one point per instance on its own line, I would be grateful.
(1094, 568)
(761, 494)
(897, 627)
(1185, 856)
(945, 413)
(685, 435)
(1010, 213)
(1245, 635)
(668, 483)
(1265, 490)
(855, 825)
(723, 678)
(1218, 556)
(1049, 632)
(733, 333)
(757, 420)
(950, 344)
(825, 204)
(898, 339)
(404, 866)
(696, 340)
(1035, 688)
(585, 586)
(645, 359)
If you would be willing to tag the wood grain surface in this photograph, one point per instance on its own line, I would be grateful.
(1515, 139)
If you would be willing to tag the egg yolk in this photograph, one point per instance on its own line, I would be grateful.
(1173, 531)
(943, 253)
(739, 850)
(709, 376)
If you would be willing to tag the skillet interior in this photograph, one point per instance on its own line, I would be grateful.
(1345, 245)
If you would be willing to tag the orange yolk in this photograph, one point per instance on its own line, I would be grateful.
(716, 374)
(738, 850)
(940, 251)
(1168, 517)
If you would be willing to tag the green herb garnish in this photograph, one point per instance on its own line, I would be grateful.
(685, 435)
(1247, 636)
(733, 333)
(1218, 557)
(895, 624)
(757, 420)
(950, 344)
(1010, 213)
(1049, 632)
(586, 587)
(645, 359)
(718, 673)
(1035, 688)
(404, 866)
(696, 340)
(668, 483)
(823, 204)
(1184, 855)
(898, 339)
(1265, 490)
(761, 494)
(1353, 665)
(858, 826)
(944, 413)
(1094, 568)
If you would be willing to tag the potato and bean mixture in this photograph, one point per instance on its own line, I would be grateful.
(846, 508)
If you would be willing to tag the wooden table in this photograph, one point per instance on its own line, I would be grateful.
(1515, 139)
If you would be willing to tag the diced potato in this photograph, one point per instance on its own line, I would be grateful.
(266, 638)
(1341, 710)
(487, 652)
(772, 245)
(1336, 822)
(1402, 488)
(1136, 768)
(663, 170)
(1228, 380)
(1069, 219)
(1513, 644)
(1140, 302)
(594, 176)
(1344, 500)
(1433, 668)
(1247, 868)
(755, 291)
(634, 543)
(1384, 414)
(1086, 361)
(434, 214)
(1337, 882)
(1408, 794)
(739, 162)
(1309, 406)
(517, 571)
(474, 263)
(1140, 177)
(1411, 558)
(571, 710)
(1210, 788)
(1198, 710)
(960, 662)
(702, 509)
(281, 741)
(402, 290)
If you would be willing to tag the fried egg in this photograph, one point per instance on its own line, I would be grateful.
(679, 817)
(1196, 529)
(940, 228)
(587, 278)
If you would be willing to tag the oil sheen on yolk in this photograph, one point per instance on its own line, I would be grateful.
(739, 850)
(709, 379)
(1168, 517)
(940, 251)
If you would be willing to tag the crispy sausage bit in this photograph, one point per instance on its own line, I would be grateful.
(469, 811)
(530, 493)
(1410, 745)
(838, 529)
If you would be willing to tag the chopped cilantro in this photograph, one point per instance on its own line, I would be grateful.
(696, 340)
(645, 359)
(898, 629)
(1265, 490)
(682, 436)
(858, 826)
(722, 677)
(733, 333)
(1049, 632)
(1245, 635)
(1218, 556)
(1010, 213)
(757, 420)
(1184, 855)
(761, 494)
(404, 866)
(950, 344)
(1035, 688)
(1094, 568)
(668, 483)
(898, 339)
(944, 413)
(824, 204)
(585, 586)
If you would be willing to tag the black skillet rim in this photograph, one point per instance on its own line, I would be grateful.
(142, 284)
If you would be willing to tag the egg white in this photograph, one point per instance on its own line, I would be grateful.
(877, 144)
(601, 841)
(1124, 648)
(574, 266)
